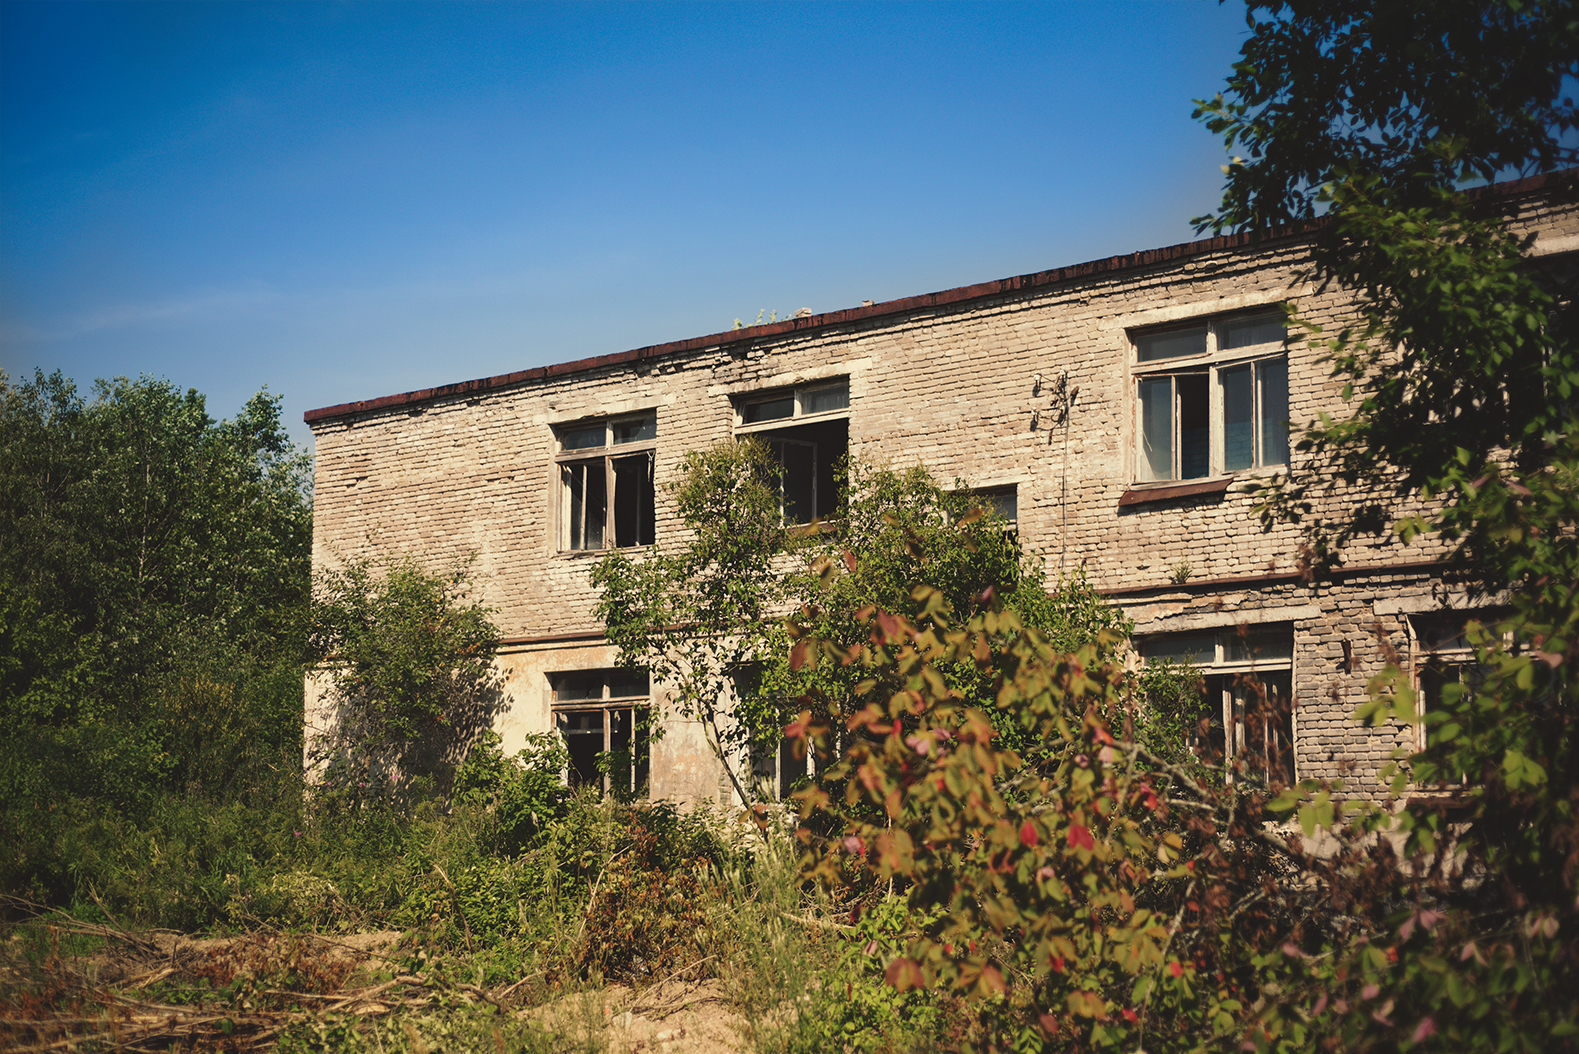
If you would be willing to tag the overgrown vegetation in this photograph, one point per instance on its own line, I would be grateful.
(1002, 848)
(153, 595)
(741, 569)
(408, 658)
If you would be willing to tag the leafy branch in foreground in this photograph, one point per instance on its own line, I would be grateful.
(1083, 892)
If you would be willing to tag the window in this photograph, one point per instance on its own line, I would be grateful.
(1211, 399)
(603, 717)
(775, 770)
(1003, 501)
(606, 483)
(1445, 657)
(1247, 707)
(808, 431)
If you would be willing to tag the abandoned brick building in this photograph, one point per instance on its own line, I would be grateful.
(1177, 376)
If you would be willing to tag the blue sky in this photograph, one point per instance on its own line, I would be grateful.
(346, 200)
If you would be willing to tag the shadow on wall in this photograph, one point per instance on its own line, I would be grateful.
(349, 750)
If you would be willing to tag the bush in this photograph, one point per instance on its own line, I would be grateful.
(523, 795)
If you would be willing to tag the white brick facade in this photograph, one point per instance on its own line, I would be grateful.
(961, 381)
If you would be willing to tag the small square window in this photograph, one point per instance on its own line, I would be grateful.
(1003, 502)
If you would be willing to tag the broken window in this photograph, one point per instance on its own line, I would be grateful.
(775, 770)
(1247, 709)
(1445, 656)
(1211, 399)
(807, 429)
(606, 483)
(603, 716)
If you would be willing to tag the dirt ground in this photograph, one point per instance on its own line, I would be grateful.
(676, 1017)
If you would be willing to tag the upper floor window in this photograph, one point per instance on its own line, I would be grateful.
(606, 482)
(1002, 501)
(808, 430)
(1211, 399)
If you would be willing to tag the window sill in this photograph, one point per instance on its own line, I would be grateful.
(573, 554)
(1149, 492)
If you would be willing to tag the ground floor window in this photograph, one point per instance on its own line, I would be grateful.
(775, 770)
(604, 717)
(1246, 704)
(1445, 659)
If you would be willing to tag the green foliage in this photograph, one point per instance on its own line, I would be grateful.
(856, 1010)
(1459, 369)
(153, 587)
(1080, 892)
(1419, 94)
(522, 794)
(722, 589)
(147, 526)
(731, 664)
(1170, 720)
(409, 655)
(649, 913)
(900, 527)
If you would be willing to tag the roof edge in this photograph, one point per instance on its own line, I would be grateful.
(904, 305)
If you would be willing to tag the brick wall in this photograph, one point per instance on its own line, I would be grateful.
(962, 383)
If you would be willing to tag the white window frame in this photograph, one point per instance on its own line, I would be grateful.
(1212, 363)
(587, 459)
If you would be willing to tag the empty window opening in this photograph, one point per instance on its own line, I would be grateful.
(1246, 710)
(604, 717)
(775, 770)
(1211, 399)
(807, 430)
(607, 501)
(1445, 659)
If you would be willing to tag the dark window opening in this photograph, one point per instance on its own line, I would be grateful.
(777, 773)
(810, 456)
(592, 487)
(1195, 427)
(1261, 707)
(1245, 712)
(604, 718)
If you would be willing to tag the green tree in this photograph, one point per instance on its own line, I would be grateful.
(146, 545)
(1459, 368)
(707, 618)
(899, 527)
(148, 524)
(408, 656)
(697, 616)
(1069, 887)
(154, 577)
